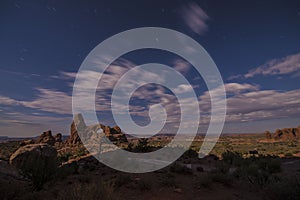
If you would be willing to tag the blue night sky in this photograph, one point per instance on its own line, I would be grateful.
(255, 44)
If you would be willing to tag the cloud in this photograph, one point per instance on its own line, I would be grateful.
(282, 66)
(47, 100)
(8, 101)
(247, 103)
(238, 88)
(51, 101)
(181, 66)
(195, 18)
(62, 75)
(183, 88)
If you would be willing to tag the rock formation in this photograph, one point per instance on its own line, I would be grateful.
(80, 124)
(284, 134)
(114, 134)
(46, 138)
(58, 137)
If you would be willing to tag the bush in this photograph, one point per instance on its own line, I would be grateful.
(190, 154)
(122, 180)
(90, 191)
(180, 169)
(168, 180)
(224, 179)
(144, 185)
(142, 145)
(221, 167)
(232, 158)
(283, 189)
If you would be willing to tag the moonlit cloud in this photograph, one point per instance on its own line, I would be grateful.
(281, 66)
(8, 101)
(195, 18)
(47, 100)
(51, 101)
(247, 103)
(181, 66)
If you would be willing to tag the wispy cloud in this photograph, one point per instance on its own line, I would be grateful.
(51, 101)
(181, 66)
(47, 100)
(246, 102)
(279, 66)
(8, 101)
(195, 18)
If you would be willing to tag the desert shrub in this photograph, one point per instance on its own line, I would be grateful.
(207, 181)
(65, 170)
(144, 185)
(287, 188)
(80, 151)
(43, 173)
(168, 180)
(180, 169)
(256, 176)
(221, 167)
(7, 149)
(89, 191)
(64, 157)
(121, 180)
(129, 147)
(269, 165)
(204, 181)
(190, 154)
(259, 171)
(142, 146)
(224, 179)
(288, 154)
(37, 162)
(232, 158)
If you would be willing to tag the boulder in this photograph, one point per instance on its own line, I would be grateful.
(36, 161)
(46, 138)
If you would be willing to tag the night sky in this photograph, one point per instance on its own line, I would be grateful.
(255, 44)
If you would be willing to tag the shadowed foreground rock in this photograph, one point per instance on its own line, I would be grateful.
(36, 161)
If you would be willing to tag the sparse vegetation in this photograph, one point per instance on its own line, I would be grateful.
(89, 191)
(235, 167)
(180, 169)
